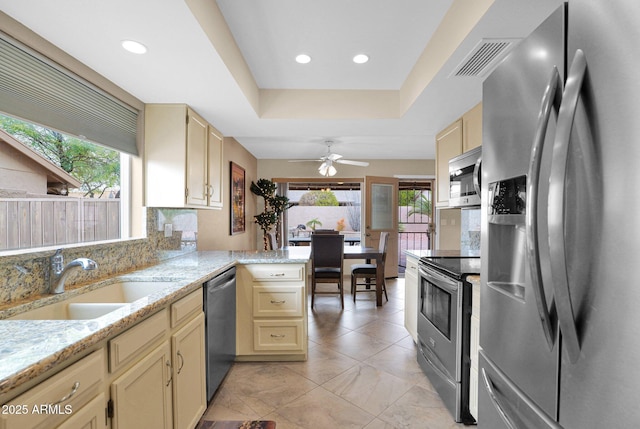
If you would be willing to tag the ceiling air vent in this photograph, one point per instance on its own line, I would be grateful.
(484, 57)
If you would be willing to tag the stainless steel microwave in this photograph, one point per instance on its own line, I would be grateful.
(464, 179)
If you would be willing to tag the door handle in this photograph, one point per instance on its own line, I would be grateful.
(551, 100)
(557, 182)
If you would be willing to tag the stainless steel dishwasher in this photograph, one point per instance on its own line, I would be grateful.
(220, 322)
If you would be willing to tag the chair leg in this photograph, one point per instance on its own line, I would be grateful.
(313, 290)
(353, 287)
(341, 286)
(384, 289)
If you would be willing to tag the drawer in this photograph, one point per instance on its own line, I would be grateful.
(278, 335)
(276, 272)
(124, 348)
(67, 391)
(90, 416)
(278, 301)
(412, 264)
(186, 308)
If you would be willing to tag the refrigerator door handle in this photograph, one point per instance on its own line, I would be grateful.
(557, 180)
(496, 402)
(551, 100)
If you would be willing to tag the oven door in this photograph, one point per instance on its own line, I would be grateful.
(439, 322)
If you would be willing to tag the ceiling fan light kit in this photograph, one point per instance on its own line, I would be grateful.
(326, 168)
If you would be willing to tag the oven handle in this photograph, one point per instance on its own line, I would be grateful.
(551, 100)
(437, 368)
(476, 175)
(440, 280)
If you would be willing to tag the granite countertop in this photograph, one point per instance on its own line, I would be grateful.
(28, 348)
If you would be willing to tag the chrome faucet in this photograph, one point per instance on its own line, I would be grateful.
(59, 272)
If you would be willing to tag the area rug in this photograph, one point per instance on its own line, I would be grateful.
(237, 424)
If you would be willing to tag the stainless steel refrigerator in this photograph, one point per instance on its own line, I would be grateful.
(560, 305)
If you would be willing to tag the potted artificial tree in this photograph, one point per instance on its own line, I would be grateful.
(274, 206)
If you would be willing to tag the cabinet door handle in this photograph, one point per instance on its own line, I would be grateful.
(181, 361)
(278, 302)
(277, 274)
(74, 389)
(278, 335)
(170, 372)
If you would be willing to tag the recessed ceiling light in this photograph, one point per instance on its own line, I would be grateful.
(360, 59)
(303, 59)
(134, 47)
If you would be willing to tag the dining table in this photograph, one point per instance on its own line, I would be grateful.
(369, 254)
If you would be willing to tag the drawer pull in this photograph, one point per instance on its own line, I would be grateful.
(74, 389)
(278, 302)
(278, 335)
(277, 274)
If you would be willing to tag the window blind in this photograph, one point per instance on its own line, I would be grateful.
(34, 88)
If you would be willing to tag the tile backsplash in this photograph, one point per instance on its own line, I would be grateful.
(470, 230)
(24, 277)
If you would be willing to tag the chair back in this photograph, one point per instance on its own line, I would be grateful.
(326, 231)
(327, 250)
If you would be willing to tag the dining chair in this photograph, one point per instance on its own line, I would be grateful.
(326, 231)
(327, 252)
(369, 271)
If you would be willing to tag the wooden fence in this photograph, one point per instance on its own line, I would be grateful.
(38, 222)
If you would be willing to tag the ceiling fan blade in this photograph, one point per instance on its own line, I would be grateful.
(333, 156)
(349, 162)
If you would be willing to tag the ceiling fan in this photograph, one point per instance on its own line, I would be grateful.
(327, 168)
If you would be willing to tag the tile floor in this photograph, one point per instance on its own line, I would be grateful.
(361, 373)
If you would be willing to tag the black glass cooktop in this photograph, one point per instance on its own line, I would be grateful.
(454, 266)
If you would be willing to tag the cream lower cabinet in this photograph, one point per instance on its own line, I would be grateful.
(411, 282)
(142, 395)
(189, 388)
(165, 387)
(71, 398)
(271, 317)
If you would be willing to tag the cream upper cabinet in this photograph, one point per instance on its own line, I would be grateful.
(197, 161)
(448, 145)
(215, 174)
(459, 137)
(183, 158)
(472, 128)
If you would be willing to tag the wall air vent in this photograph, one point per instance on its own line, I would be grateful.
(484, 57)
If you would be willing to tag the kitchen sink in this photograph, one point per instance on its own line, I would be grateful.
(95, 303)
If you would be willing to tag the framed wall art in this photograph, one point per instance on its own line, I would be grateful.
(237, 196)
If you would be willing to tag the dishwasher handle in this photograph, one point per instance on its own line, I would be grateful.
(221, 280)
